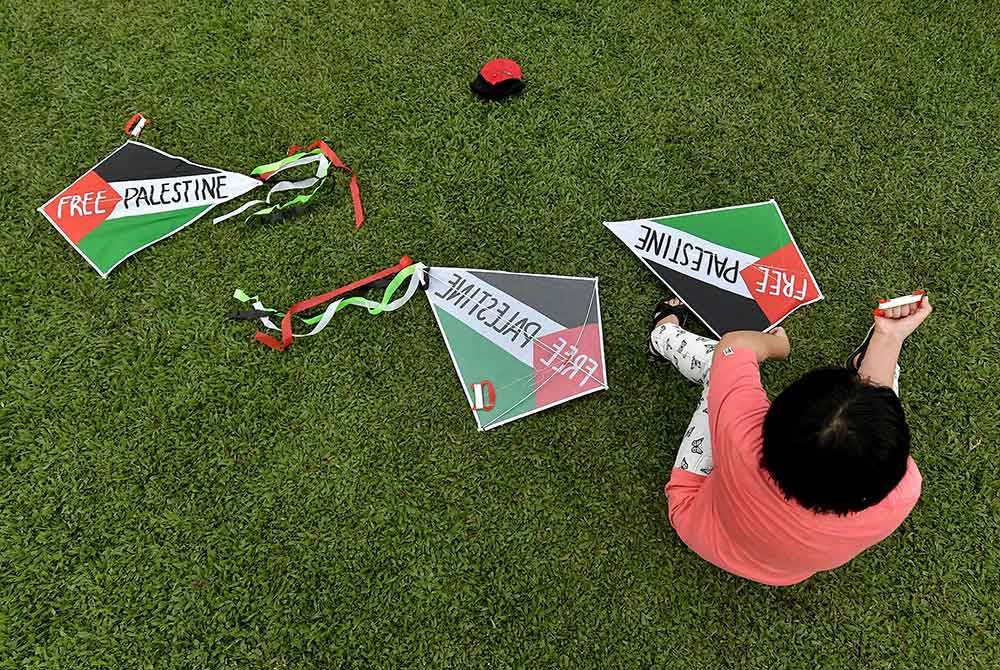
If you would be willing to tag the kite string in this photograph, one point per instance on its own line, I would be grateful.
(564, 357)
(553, 375)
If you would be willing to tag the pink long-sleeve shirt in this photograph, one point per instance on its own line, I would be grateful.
(738, 519)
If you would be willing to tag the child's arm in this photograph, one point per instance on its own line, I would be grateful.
(766, 346)
(892, 326)
(879, 363)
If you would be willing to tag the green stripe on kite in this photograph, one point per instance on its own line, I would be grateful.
(481, 360)
(756, 230)
(116, 239)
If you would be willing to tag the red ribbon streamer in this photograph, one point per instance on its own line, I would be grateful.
(286, 323)
(359, 212)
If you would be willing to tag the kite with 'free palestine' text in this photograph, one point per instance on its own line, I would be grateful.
(520, 342)
(736, 268)
(139, 195)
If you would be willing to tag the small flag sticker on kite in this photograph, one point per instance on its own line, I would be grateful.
(485, 396)
(135, 197)
(521, 343)
(736, 268)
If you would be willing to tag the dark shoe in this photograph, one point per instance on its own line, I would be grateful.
(660, 312)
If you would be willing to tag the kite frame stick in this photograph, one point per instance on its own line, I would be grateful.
(286, 323)
(534, 339)
(104, 275)
(496, 423)
(781, 216)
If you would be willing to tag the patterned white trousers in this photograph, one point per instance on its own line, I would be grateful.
(692, 356)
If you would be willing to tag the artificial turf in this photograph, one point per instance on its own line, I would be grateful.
(174, 495)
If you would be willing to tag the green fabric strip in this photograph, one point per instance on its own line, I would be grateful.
(301, 199)
(277, 165)
(387, 297)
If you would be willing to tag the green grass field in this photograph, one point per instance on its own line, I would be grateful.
(174, 495)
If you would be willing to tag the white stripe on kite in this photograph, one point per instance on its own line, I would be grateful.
(457, 305)
(173, 193)
(634, 234)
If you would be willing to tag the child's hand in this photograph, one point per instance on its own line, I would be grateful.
(781, 347)
(900, 322)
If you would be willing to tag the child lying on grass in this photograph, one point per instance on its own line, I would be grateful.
(776, 492)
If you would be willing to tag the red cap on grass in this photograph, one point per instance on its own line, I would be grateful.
(498, 79)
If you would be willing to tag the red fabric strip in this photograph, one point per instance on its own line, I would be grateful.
(359, 212)
(134, 119)
(286, 322)
(264, 338)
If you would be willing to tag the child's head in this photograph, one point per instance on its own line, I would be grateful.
(834, 443)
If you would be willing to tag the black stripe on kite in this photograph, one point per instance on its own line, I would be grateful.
(723, 311)
(137, 161)
(565, 300)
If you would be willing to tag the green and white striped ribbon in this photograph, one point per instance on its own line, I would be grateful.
(413, 273)
(297, 159)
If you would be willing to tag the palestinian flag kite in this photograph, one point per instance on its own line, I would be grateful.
(736, 268)
(521, 343)
(140, 195)
(135, 197)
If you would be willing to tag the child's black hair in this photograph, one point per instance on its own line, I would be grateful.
(834, 443)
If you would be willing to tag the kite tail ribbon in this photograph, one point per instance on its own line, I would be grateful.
(359, 212)
(403, 270)
(318, 152)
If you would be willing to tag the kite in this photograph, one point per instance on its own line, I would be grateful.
(736, 268)
(520, 343)
(139, 195)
